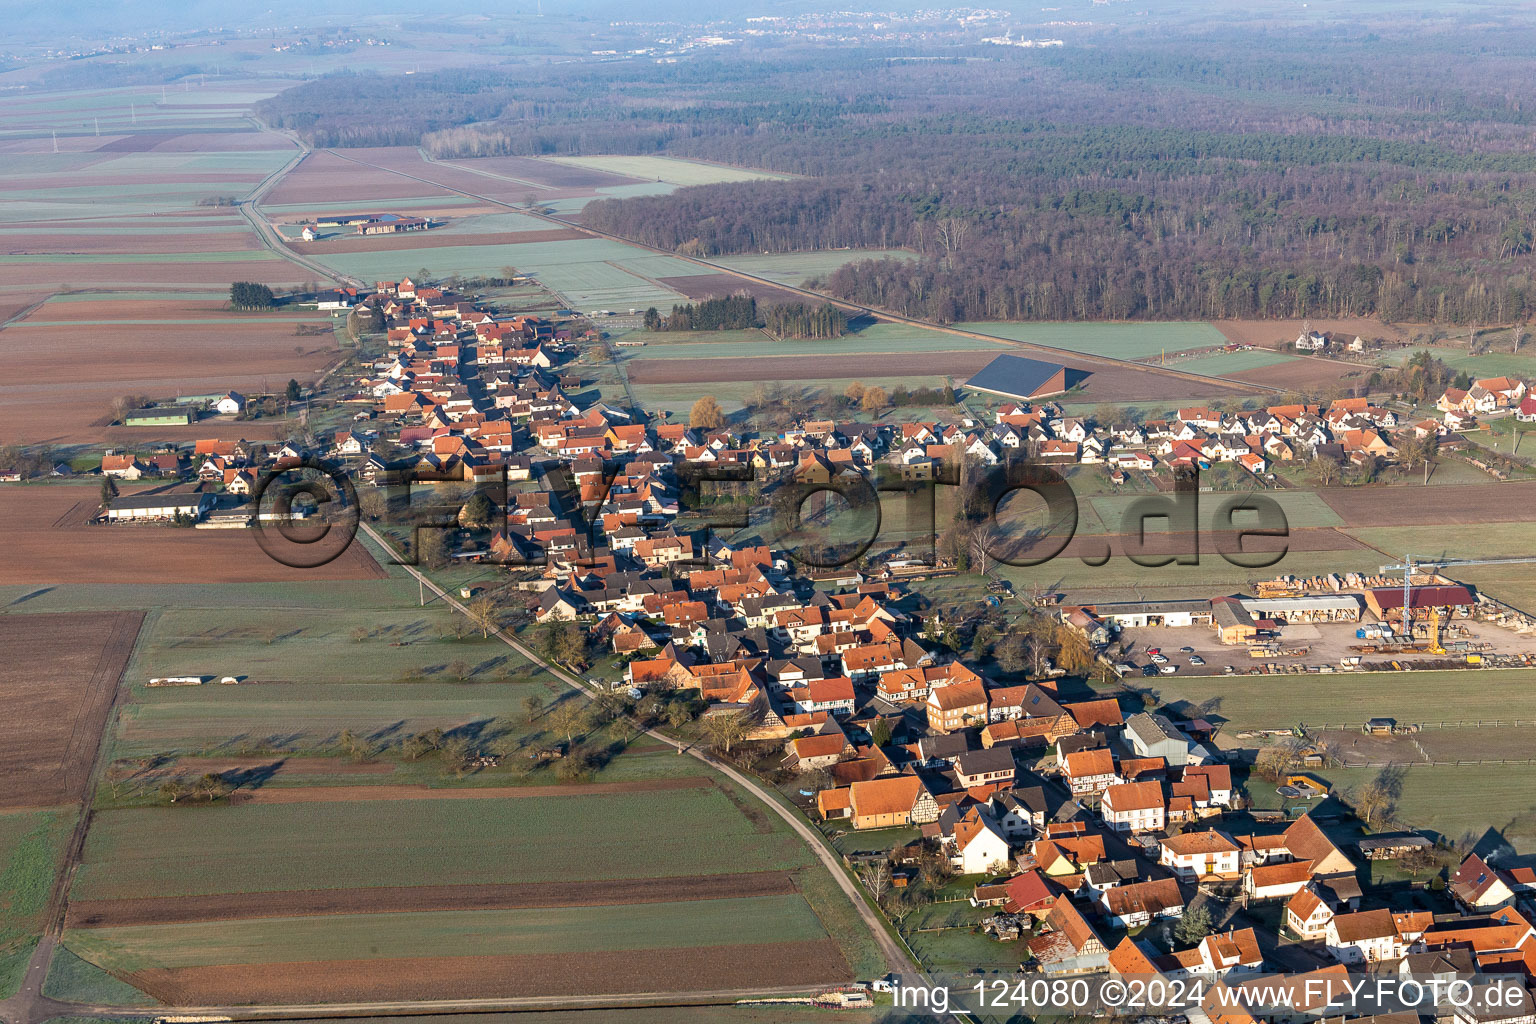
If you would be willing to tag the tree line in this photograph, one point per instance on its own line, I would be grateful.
(741, 312)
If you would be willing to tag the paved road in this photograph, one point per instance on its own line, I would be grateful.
(270, 237)
(1078, 358)
(891, 948)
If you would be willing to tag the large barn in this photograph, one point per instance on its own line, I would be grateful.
(1022, 379)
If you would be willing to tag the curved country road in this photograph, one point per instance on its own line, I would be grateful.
(1081, 359)
(894, 954)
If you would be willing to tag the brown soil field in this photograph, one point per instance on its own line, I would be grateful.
(44, 182)
(407, 160)
(58, 674)
(1409, 506)
(12, 304)
(755, 965)
(428, 240)
(38, 552)
(181, 275)
(324, 177)
(85, 242)
(1306, 374)
(705, 285)
(547, 172)
(353, 794)
(153, 309)
(61, 380)
(415, 899)
(1274, 333)
(1111, 383)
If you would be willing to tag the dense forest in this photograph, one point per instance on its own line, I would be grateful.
(1331, 171)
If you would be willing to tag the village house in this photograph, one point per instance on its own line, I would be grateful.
(1090, 772)
(1201, 855)
(1134, 807)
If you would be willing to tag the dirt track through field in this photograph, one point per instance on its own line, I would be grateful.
(479, 977)
(352, 794)
(424, 898)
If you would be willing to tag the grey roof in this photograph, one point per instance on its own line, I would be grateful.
(1112, 872)
(1018, 377)
(992, 759)
(1152, 729)
(1230, 613)
(1150, 607)
(946, 745)
(175, 499)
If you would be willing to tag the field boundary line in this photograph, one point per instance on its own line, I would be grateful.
(896, 958)
(873, 311)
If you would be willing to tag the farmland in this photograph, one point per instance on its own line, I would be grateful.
(31, 847)
(50, 542)
(587, 271)
(360, 862)
(58, 675)
(160, 242)
(794, 268)
(1256, 702)
(310, 877)
(1118, 341)
(278, 847)
(666, 169)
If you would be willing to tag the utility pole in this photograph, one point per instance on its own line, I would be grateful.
(98, 125)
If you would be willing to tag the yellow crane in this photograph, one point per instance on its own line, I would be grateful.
(1435, 646)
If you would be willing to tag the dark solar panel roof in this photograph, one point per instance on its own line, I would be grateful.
(1020, 377)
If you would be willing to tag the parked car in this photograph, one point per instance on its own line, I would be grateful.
(1158, 659)
(1167, 670)
(1195, 659)
(1186, 650)
(1149, 670)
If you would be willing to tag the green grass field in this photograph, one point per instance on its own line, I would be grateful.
(351, 645)
(1445, 800)
(875, 339)
(30, 846)
(1348, 699)
(796, 267)
(272, 847)
(72, 979)
(1490, 364)
(579, 269)
(1225, 363)
(786, 918)
(1484, 540)
(667, 169)
(1120, 341)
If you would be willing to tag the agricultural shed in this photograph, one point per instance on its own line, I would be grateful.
(1020, 378)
